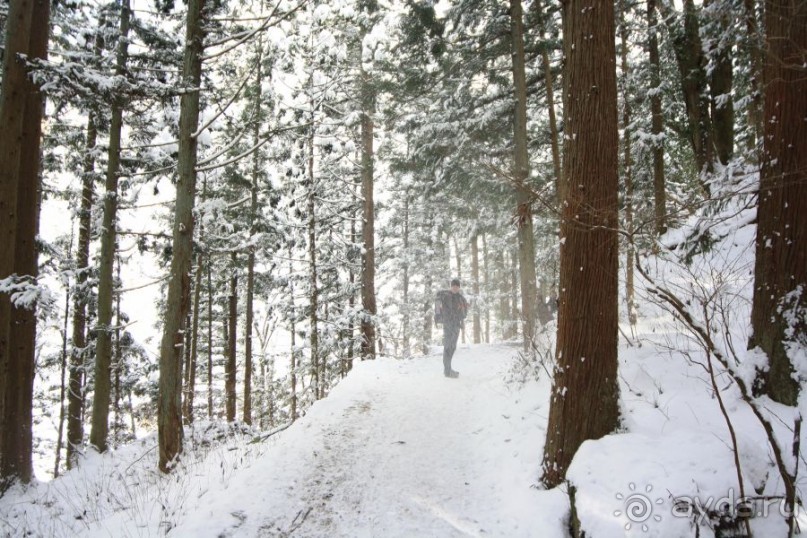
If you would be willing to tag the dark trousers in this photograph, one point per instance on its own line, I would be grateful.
(450, 335)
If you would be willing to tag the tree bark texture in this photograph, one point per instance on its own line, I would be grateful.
(368, 104)
(63, 385)
(78, 350)
(190, 377)
(99, 430)
(753, 41)
(232, 341)
(627, 167)
(521, 174)
(12, 109)
(313, 316)
(253, 212)
(721, 81)
(549, 83)
(656, 122)
(584, 399)
(169, 407)
(692, 70)
(19, 392)
(780, 275)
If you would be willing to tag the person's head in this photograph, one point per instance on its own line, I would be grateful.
(455, 285)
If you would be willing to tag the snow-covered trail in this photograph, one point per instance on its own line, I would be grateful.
(399, 450)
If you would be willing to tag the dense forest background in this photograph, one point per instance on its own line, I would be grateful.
(298, 179)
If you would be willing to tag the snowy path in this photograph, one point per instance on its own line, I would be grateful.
(399, 450)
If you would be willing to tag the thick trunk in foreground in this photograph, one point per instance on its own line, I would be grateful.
(19, 393)
(584, 399)
(169, 406)
(12, 109)
(780, 275)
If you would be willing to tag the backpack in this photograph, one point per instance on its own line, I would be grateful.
(438, 307)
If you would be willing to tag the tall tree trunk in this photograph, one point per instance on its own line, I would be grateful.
(368, 221)
(313, 295)
(657, 122)
(232, 332)
(754, 45)
(209, 339)
(190, 377)
(486, 271)
(692, 70)
(117, 363)
(780, 273)
(477, 322)
(248, 338)
(721, 81)
(12, 109)
(458, 258)
(428, 283)
(351, 301)
(584, 400)
(63, 386)
(169, 408)
(78, 350)
(18, 372)
(549, 82)
(293, 331)
(99, 430)
(253, 212)
(405, 306)
(521, 174)
(514, 294)
(630, 292)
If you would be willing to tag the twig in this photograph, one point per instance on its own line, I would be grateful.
(683, 314)
(262, 438)
(297, 524)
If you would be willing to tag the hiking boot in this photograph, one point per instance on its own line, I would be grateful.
(452, 374)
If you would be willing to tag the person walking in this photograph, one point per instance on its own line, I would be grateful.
(450, 310)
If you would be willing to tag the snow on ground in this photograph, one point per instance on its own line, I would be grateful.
(395, 450)
(398, 450)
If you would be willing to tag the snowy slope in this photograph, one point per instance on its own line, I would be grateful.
(395, 450)
(399, 450)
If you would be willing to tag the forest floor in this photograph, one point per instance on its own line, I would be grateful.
(399, 450)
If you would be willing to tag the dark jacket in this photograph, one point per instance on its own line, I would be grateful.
(451, 308)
